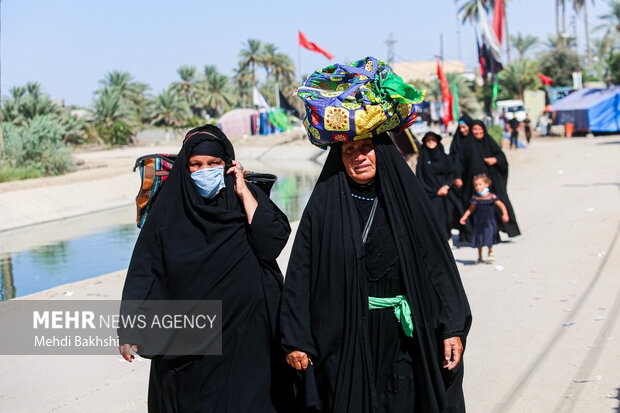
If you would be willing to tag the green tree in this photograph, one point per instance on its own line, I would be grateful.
(27, 102)
(517, 77)
(522, 43)
(110, 107)
(216, 94)
(188, 84)
(242, 79)
(133, 92)
(169, 109)
(251, 55)
(614, 68)
(559, 64)
(468, 10)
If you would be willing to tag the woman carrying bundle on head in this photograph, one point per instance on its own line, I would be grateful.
(373, 309)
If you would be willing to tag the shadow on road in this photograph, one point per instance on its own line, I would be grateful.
(617, 409)
(609, 143)
(466, 262)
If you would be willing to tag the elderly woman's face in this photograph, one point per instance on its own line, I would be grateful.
(198, 162)
(430, 142)
(477, 131)
(359, 160)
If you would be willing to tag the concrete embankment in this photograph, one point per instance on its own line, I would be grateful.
(106, 179)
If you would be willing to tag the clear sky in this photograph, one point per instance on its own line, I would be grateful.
(69, 45)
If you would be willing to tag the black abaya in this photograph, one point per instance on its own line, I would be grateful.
(193, 248)
(434, 170)
(325, 298)
(471, 163)
(458, 139)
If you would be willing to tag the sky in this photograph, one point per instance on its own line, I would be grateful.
(69, 45)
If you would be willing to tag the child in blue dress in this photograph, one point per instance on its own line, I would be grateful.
(482, 208)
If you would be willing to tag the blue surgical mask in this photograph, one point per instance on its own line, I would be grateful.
(484, 191)
(209, 181)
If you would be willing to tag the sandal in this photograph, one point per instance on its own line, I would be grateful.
(491, 257)
(480, 261)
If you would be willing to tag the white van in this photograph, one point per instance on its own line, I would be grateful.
(512, 109)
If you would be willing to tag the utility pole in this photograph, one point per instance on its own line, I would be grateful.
(507, 33)
(441, 48)
(390, 42)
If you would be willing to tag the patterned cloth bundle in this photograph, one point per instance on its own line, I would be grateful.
(357, 101)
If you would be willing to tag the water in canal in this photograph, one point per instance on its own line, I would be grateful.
(44, 256)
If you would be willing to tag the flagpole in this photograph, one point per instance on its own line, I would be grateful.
(299, 62)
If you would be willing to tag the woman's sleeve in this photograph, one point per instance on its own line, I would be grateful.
(295, 320)
(502, 163)
(269, 230)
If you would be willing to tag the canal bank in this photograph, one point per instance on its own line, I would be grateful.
(106, 179)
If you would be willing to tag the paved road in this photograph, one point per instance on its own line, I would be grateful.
(520, 355)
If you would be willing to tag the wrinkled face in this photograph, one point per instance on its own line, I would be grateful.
(464, 129)
(480, 184)
(359, 160)
(477, 131)
(198, 162)
(430, 142)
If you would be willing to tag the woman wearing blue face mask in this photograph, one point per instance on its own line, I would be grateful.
(213, 236)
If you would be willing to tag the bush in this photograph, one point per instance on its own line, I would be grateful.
(37, 145)
(119, 134)
(497, 133)
(15, 174)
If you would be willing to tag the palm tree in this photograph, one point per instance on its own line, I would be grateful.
(128, 88)
(268, 58)
(251, 56)
(187, 85)
(217, 96)
(468, 11)
(169, 109)
(578, 5)
(611, 23)
(517, 77)
(110, 107)
(26, 103)
(242, 80)
(553, 42)
(522, 43)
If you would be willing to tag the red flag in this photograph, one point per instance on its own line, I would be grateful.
(498, 20)
(546, 80)
(445, 94)
(313, 46)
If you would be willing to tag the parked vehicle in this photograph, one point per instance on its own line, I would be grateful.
(512, 109)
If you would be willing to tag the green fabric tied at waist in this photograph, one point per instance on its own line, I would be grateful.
(402, 311)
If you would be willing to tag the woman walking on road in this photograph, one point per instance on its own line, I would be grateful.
(482, 156)
(436, 172)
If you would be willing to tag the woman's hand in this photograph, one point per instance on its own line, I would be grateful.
(490, 161)
(505, 218)
(298, 360)
(463, 220)
(452, 351)
(443, 191)
(458, 182)
(243, 192)
(125, 349)
(240, 186)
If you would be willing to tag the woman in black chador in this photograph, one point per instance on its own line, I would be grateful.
(373, 308)
(481, 155)
(212, 236)
(463, 130)
(436, 172)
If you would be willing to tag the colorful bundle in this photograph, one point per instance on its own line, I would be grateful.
(357, 101)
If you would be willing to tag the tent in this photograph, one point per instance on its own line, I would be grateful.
(590, 110)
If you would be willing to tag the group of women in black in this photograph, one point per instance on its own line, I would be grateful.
(372, 316)
(448, 178)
